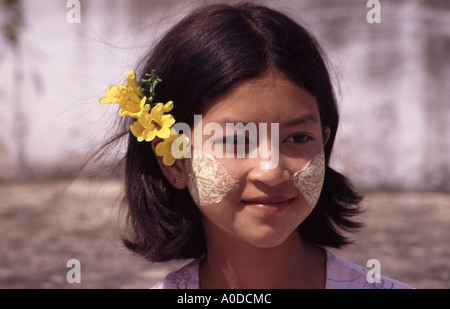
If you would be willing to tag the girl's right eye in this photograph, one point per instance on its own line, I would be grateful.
(236, 140)
(238, 145)
(299, 139)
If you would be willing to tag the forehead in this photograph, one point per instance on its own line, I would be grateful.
(271, 98)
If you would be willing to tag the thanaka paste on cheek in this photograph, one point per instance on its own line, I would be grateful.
(309, 180)
(208, 181)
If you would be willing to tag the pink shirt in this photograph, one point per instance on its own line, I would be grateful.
(341, 274)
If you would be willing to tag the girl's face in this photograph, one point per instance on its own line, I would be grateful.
(248, 199)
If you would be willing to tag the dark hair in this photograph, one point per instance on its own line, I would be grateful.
(198, 60)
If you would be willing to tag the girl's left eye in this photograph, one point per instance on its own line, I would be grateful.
(299, 139)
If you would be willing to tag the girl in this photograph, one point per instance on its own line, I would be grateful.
(244, 223)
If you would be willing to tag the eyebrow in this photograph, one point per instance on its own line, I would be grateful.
(301, 120)
(290, 123)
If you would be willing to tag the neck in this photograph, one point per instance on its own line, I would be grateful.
(293, 264)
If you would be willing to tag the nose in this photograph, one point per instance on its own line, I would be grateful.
(270, 176)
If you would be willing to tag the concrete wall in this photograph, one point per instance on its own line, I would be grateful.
(393, 83)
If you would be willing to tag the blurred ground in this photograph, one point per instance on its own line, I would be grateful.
(46, 223)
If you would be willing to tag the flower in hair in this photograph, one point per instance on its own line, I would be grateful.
(129, 97)
(152, 120)
(170, 151)
(154, 123)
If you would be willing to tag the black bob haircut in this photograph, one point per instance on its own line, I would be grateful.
(199, 59)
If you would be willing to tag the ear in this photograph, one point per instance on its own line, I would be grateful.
(175, 173)
(326, 135)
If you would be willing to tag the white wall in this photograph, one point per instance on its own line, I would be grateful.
(394, 84)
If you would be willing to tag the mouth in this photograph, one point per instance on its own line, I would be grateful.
(268, 203)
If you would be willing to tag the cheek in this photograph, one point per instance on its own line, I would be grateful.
(309, 180)
(208, 181)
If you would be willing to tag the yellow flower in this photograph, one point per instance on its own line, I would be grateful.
(129, 97)
(131, 79)
(164, 148)
(113, 95)
(151, 121)
(154, 123)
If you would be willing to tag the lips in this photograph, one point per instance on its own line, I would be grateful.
(268, 203)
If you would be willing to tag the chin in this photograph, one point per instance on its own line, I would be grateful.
(267, 239)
